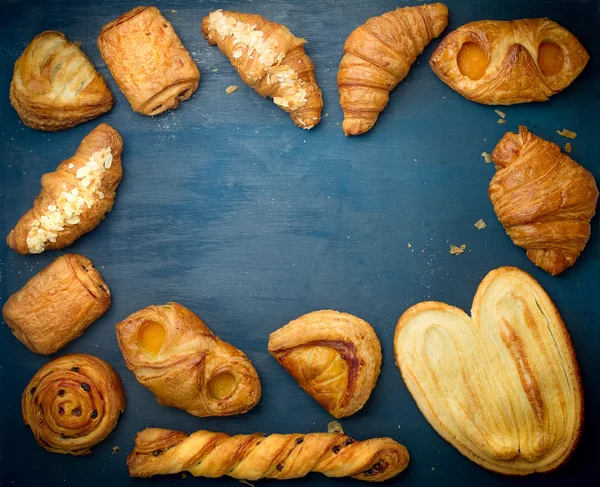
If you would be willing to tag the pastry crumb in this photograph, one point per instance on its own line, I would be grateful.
(183, 475)
(568, 147)
(335, 427)
(487, 157)
(409, 245)
(215, 70)
(500, 114)
(173, 11)
(479, 224)
(432, 469)
(567, 133)
(454, 250)
(501, 120)
(326, 115)
(230, 89)
(115, 449)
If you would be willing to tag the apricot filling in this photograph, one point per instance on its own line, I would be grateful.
(472, 60)
(222, 385)
(550, 58)
(151, 337)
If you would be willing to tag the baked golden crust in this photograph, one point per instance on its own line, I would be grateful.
(503, 385)
(378, 55)
(335, 357)
(57, 304)
(252, 457)
(75, 197)
(174, 354)
(73, 403)
(544, 199)
(270, 59)
(148, 61)
(512, 71)
(55, 86)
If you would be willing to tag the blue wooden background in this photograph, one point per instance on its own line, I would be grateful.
(229, 209)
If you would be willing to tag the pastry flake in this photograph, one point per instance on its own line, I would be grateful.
(501, 386)
(55, 86)
(543, 198)
(253, 457)
(148, 61)
(174, 354)
(502, 63)
(335, 357)
(378, 56)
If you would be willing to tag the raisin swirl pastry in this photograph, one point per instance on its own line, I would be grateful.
(73, 403)
(253, 457)
(174, 354)
(335, 357)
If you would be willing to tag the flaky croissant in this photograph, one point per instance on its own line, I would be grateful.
(543, 198)
(252, 457)
(270, 59)
(75, 197)
(174, 354)
(501, 63)
(55, 86)
(502, 386)
(378, 55)
(73, 403)
(335, 357)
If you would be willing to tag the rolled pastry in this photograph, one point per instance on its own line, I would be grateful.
(501, 63)
(174, 354)
(501, 386)
(253, 457)
(335, 357)
(73, 403)
(75, 197)
(148, 61)
(57, 304)
(55, 86)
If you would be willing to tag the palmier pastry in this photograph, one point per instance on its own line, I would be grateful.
(270, 59)
(174, 354)
(55, 86)
(148, 61)
(502, 63)
(501, 386)
(253, 457)
(544, 199)
(73, 403)
(75, 197)
(57, 304)
(378, 55)
(335, 357)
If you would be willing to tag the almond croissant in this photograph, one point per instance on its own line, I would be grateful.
(378, 55)
(270, 59)
(252, 457)
(543, 198)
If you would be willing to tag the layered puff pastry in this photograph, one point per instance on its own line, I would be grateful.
(57, 304)
(543, 198)
(255, 456)
(335, 357)
(174, 354)
(55, 86)
(503, 63)
(75, 197)
(378, 56)
(270, 59)
(148, 61)
(501, 386)
(73, 403)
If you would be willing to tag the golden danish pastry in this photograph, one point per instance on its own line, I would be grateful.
(148, 61)
(55, 86)
(544, 199)
(378, 56)
(501, 386)
(270, 59)
(73, 403)
(501, 63)
(174, 354)
(57, 304)
(75, 197)
(335, 357)
(253, 457)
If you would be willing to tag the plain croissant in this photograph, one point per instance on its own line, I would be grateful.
(252, 457)
(378, 55)
(544, 199)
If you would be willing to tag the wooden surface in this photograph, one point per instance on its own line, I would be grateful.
(229, 209)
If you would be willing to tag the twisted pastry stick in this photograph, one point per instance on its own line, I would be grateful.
(252, 457)
(73, 403)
